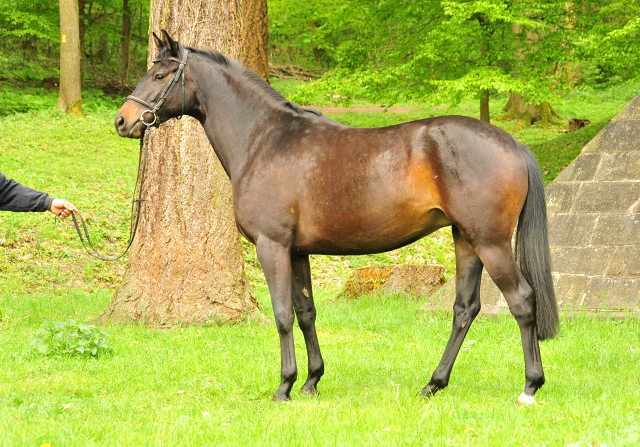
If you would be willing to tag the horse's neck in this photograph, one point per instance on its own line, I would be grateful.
(232, 112)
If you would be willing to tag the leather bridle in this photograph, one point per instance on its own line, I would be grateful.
(165, 92)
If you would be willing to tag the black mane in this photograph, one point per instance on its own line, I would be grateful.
(273, 95)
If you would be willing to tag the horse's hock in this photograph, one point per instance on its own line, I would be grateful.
(412, 280)
(594, 226)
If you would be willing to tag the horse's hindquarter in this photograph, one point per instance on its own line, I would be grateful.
(484, 177)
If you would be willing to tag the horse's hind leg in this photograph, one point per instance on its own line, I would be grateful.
(465, 309)
(306, 313)
(501, 265)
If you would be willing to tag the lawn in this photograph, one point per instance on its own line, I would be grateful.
(210, 385)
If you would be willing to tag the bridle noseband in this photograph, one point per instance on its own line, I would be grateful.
(165, 93)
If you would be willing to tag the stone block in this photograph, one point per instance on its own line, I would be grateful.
(630, 112)
(586, 167)
(612, 293)
(619, 166)
(625, 262)
(592, 146)
(606, 197)
(570, 289)
(581, 260)
(571, 229)
(565, 174)
(617, 230)
(620, 136)
(560, 196)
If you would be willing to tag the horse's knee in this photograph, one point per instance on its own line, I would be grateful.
(466, 311)
(306, 318)
(284, 321)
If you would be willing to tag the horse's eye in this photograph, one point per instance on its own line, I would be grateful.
(159, 77)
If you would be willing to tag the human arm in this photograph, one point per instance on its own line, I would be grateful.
(19, 198)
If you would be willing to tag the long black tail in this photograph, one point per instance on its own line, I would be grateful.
(532, 249)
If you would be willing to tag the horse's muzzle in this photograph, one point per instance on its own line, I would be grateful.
(126, 130)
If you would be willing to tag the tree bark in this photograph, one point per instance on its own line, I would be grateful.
(255, 37)
(527, 114)
(70, 97)
(484, 106)
(126, 41)
(484, 94)
(104, 42)
(82, 29)
(186, 264)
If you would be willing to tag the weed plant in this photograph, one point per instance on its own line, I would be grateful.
(69, 338)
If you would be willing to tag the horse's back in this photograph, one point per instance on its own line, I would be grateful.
(343, 190)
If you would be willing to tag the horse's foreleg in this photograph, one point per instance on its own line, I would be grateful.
(502, 267)
(306, 313)
(275, 260)
(465, 309)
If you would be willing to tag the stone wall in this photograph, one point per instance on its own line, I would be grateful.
(594, 225)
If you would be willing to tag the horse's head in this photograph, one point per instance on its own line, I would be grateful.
(155, 99)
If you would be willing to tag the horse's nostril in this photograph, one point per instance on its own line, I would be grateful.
(120, 122)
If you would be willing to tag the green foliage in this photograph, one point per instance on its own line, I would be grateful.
(30, 31)
(610, 39)
(433, 52)
(293, 26)
(70, 338)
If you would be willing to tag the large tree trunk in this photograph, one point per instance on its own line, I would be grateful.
(484, 106)
(70, 97)
(186, 263)
(126, 42)
(255, 37)
(527, 114)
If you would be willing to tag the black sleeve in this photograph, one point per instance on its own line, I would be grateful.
(15, 197)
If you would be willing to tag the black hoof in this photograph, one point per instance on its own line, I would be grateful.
(280, 398)
(309, 390)
(428, 391)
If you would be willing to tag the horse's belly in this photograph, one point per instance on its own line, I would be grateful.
(375, 231)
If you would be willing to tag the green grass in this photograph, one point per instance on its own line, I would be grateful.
(157, 385)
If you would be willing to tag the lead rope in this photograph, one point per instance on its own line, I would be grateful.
(135, 207)
(142, 163)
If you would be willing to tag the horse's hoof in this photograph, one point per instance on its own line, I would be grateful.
(525, 400)
(280, 398)
(309, 390)
(428, 391)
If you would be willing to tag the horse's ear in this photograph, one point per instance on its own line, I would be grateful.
(159, 41)
(173, 45)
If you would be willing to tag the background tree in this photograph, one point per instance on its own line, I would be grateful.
(186, 263)
(255, 37)
(442, 51)
(70, 98)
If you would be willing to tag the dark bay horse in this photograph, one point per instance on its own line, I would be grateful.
(304, 184)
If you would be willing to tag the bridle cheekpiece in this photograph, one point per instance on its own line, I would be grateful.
(165, 93)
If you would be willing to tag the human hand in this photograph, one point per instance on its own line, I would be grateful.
(62, 208)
